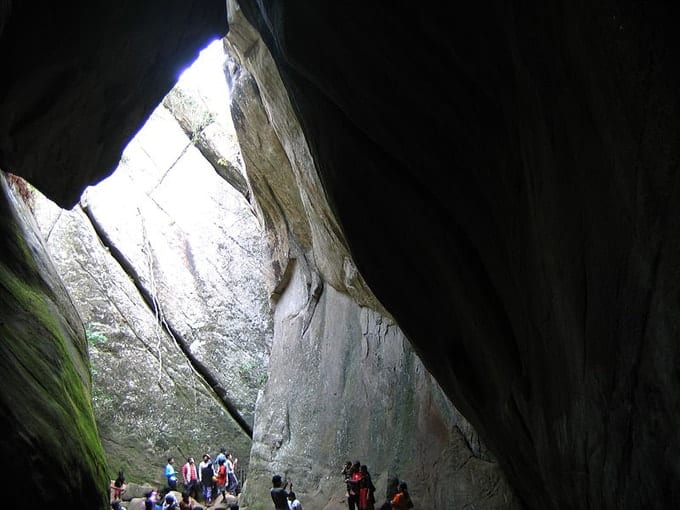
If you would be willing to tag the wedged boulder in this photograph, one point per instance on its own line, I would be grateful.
(175, 305)
(84, 69)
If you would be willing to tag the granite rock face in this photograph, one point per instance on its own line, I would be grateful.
(344, 384)
(165, 262)
(509, 169)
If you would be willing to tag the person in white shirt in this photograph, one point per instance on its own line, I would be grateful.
(205, 476)
(232, 481)
(293, 502)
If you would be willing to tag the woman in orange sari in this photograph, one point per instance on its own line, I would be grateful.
(402, 499)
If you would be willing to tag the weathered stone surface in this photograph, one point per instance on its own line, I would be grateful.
(46, 416)
(197, 249)
(198, 246)
(344, 383)
(281, 171)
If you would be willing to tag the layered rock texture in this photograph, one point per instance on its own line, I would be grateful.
(504, 176)
(166, 265)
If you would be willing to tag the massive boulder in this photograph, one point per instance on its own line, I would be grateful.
(165, 263)
(344, 383)
(504, 175)
(80, 68)
(505, 178)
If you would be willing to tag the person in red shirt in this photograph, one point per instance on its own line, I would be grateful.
(221, 479)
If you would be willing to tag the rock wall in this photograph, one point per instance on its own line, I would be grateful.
(46, 415)
(344, 383)
(166, 266)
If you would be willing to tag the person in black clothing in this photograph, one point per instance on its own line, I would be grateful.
(366, 490)
(279, 493)
(353, 486)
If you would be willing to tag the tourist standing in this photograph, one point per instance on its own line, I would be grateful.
(118, 487)
(366, 490)
(232, 481)
(354, 486)
(347, 473)
(279, 494)
(221, 479)
(190, 477)
(205, 474)
(171, 474)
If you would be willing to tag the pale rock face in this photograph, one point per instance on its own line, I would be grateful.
(197, 249)
(344, 384)
(293, 193)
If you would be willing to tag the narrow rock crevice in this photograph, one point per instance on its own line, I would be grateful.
(210, 380)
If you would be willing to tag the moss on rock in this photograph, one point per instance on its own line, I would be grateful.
(51, 438)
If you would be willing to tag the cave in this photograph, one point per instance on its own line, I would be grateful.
(503, 176)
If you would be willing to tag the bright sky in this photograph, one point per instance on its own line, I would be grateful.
(206, 75)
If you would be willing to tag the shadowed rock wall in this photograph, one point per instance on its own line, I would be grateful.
(513, 169)
(344, 383)
(45, 404)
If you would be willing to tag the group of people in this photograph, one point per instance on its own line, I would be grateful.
(214, 478)
(155, 501)
(361, 491)
(210, 478)
(217, 478)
